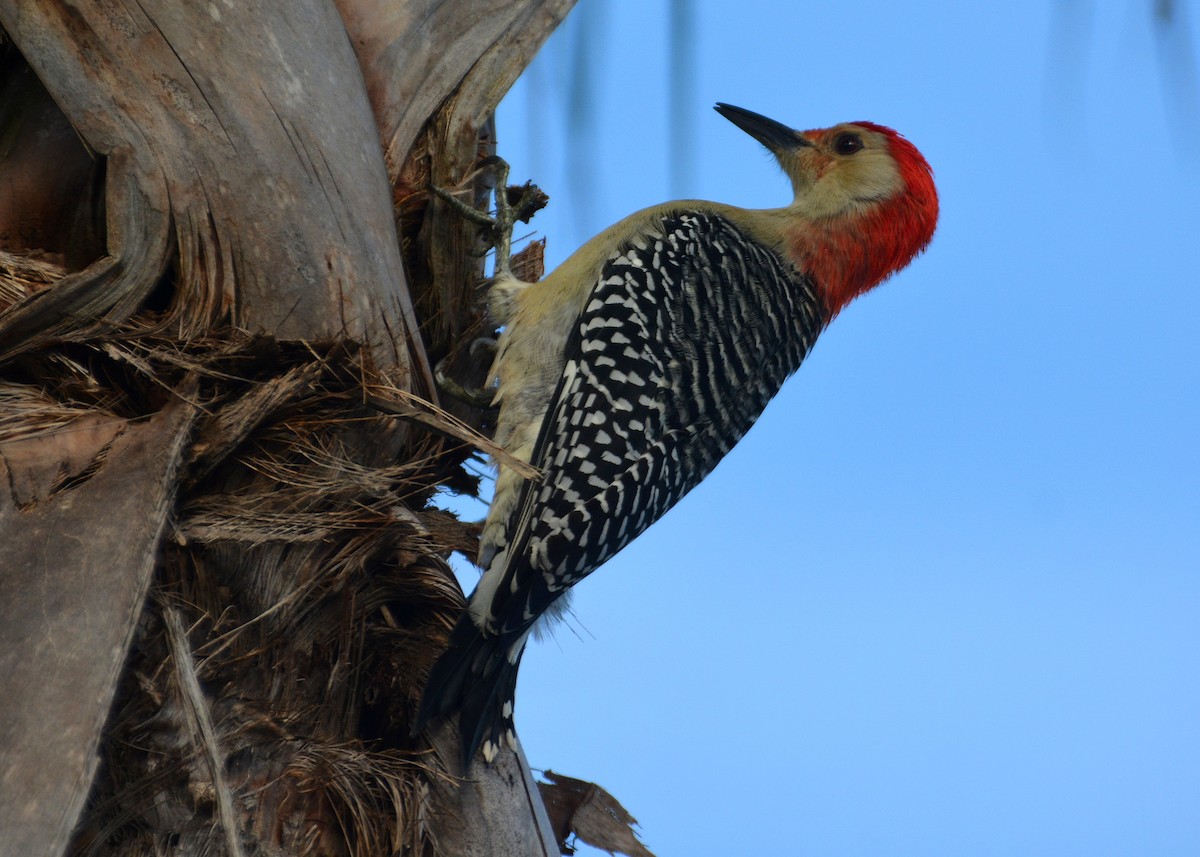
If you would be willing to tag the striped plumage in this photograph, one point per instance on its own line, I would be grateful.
(687, 335)
(625, 377)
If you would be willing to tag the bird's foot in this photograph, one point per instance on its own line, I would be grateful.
(476, 397)
(514, 204)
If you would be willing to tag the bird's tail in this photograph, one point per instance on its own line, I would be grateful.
(476, 678)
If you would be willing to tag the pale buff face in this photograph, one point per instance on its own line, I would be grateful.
(847, 169)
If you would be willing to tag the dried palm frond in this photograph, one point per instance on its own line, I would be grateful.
(301, 597)
(22, 276)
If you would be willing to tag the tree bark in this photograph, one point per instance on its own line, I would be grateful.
(222, 584)
(68, 618)
(193, 104)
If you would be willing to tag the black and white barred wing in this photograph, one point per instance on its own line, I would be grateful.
(686, 337)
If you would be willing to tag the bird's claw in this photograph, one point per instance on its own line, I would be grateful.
(476, 397)
(508, 213)
(479, 342)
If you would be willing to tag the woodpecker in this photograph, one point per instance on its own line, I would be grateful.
(631, 370)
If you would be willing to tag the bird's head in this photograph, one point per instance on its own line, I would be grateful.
(864, 205)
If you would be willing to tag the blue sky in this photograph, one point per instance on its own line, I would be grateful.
(944, 598)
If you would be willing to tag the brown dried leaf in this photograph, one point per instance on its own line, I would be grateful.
(447, 530)
(530, 265)
(592, 814)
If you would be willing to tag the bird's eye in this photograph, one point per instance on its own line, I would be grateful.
(847, 143)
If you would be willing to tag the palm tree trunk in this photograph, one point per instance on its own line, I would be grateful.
(222, 287)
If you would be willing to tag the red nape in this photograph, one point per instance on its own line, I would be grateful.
(851, 255)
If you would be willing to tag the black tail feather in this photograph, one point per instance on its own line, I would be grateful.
(474, 678)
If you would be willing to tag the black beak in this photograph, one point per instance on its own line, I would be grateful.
(773, 135)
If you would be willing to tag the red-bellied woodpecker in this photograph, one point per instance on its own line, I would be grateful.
(631, 370)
